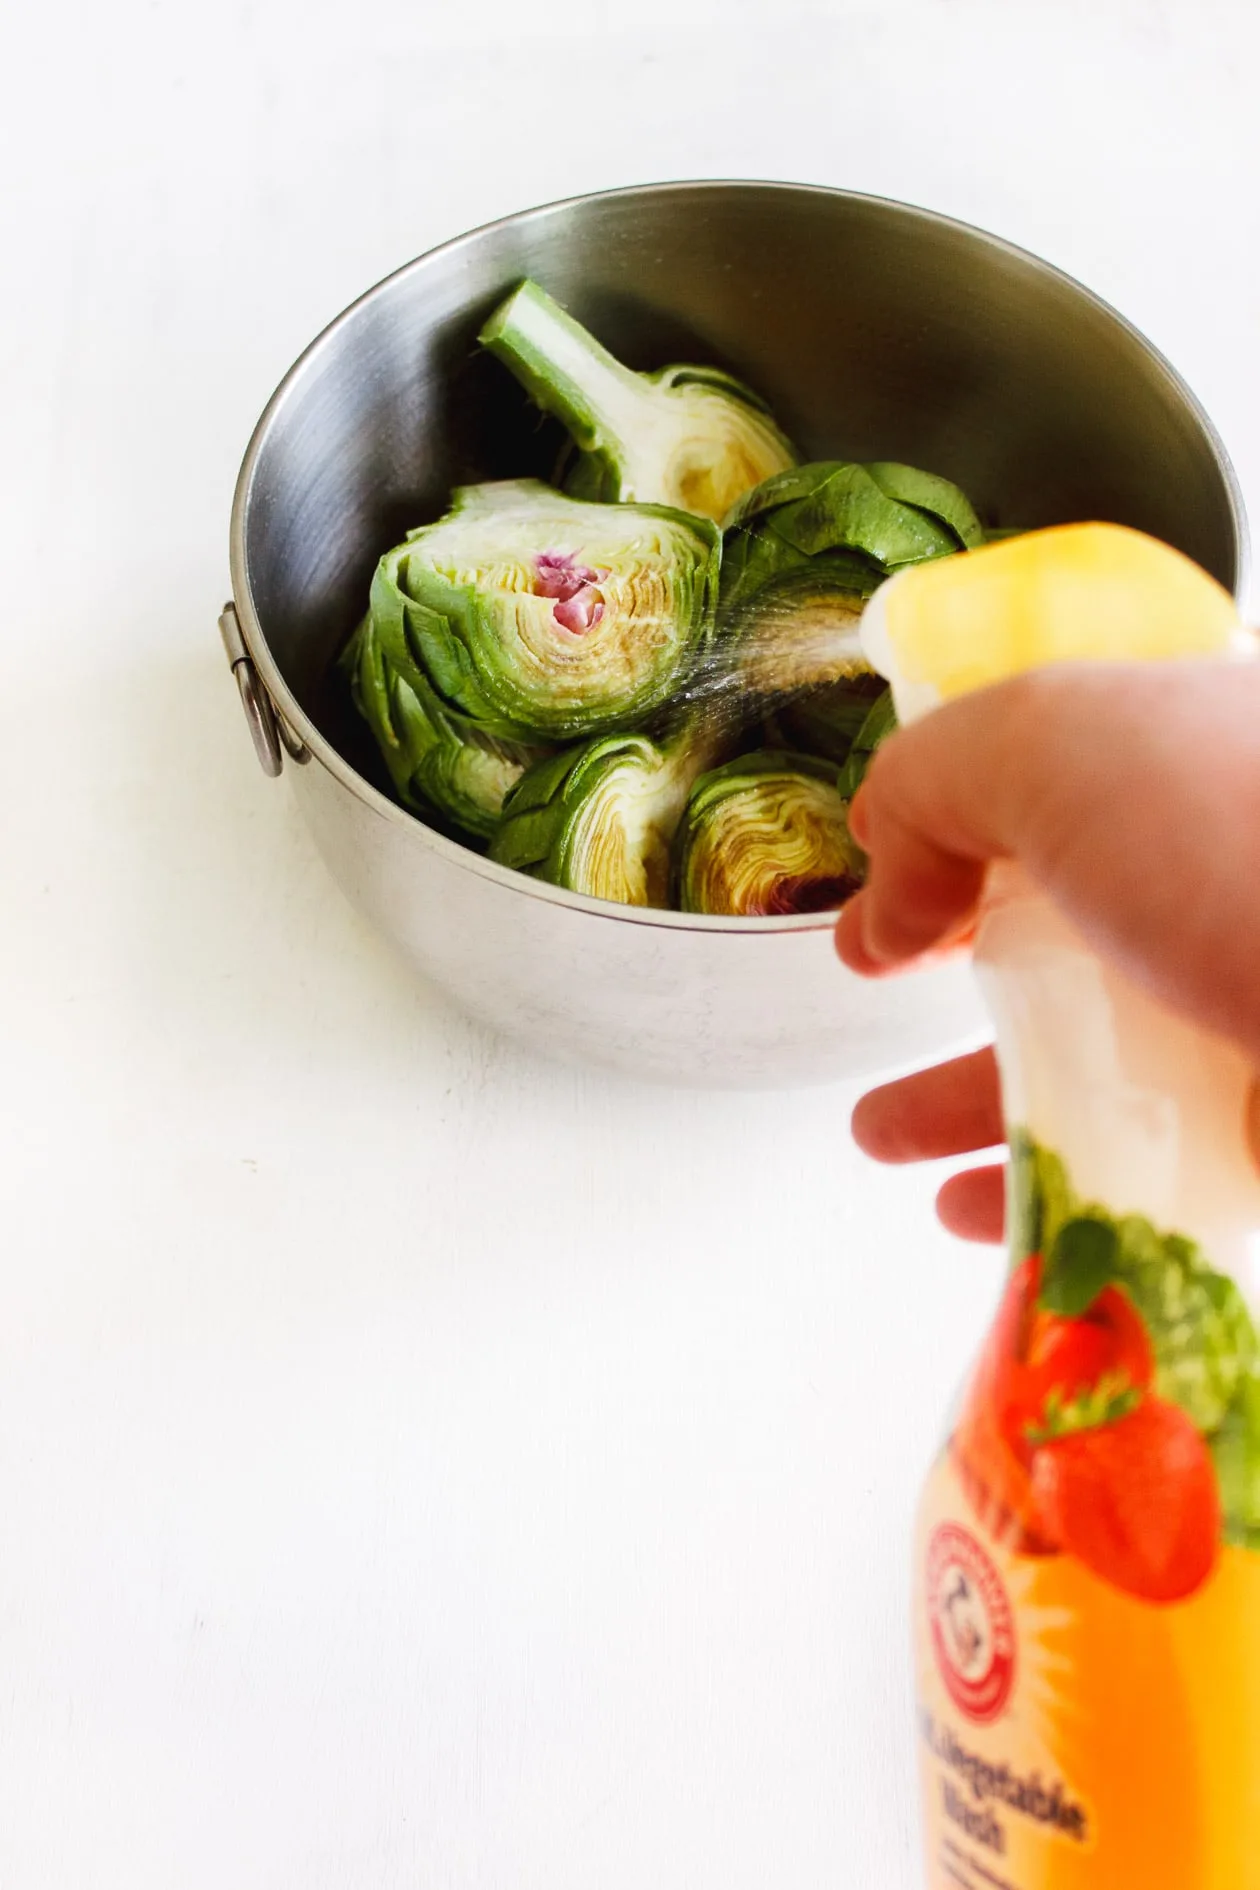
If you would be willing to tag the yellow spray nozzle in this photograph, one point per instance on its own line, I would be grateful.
(1074, 593)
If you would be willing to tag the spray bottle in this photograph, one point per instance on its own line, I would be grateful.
(1087, 1563)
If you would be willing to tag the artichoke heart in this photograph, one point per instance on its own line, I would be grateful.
(600, 819)
(691, 437)
(438, 761)
(767, 834)
(543, 619)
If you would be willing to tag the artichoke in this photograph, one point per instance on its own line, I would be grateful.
(802, 554)
(795, 633)
(539, 619)
(828, 721)
(765, 834)
(438, 761)
(880, 721)
(600, 818)
(927, 492)
(849, 525)
(690, 437)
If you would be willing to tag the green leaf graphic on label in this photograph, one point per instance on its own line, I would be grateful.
(1199, 1324)
(1236, 1453)
(1081, 1262)
(1206, 1352)
(1111, 1399)
(1040, 1198)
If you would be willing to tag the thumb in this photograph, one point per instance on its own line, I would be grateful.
(941, 799)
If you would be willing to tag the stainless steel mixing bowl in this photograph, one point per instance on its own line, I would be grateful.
(876, 331)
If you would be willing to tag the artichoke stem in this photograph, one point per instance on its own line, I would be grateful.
(564, 369)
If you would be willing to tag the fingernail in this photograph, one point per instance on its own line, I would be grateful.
(851, 942)
(854, 951)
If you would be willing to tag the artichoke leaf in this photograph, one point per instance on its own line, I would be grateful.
(940, 498)
(438, 761)
(848, 508)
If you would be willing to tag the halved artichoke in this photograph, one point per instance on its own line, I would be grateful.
(539, 618)
(438, 761)
(875, 518)
(691, 437)
(600, 818)
(766, 834)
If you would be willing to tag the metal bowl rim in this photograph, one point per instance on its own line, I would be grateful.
(322, 750)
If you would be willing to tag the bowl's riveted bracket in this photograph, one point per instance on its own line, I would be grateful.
(269, 732)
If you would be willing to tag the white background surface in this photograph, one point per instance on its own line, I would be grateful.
(420, 1466)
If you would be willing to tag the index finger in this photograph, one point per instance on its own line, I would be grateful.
(951, 1109)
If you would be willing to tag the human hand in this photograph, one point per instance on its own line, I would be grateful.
(1131, 794)
(952, 1109)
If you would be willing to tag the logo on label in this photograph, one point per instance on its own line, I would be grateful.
(973, 1625)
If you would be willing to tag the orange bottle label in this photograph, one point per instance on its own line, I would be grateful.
(1087, 1595)
(1074, 1737)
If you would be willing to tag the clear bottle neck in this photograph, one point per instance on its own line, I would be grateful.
(1145, 1113)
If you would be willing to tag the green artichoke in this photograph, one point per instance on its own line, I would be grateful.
(766, 834)
(690, 437)
(926, 492)
(803, 553)
(600, 818)
(827, 721)
(438, 761)
(540, 619)
(849, 524)
(796, 633)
